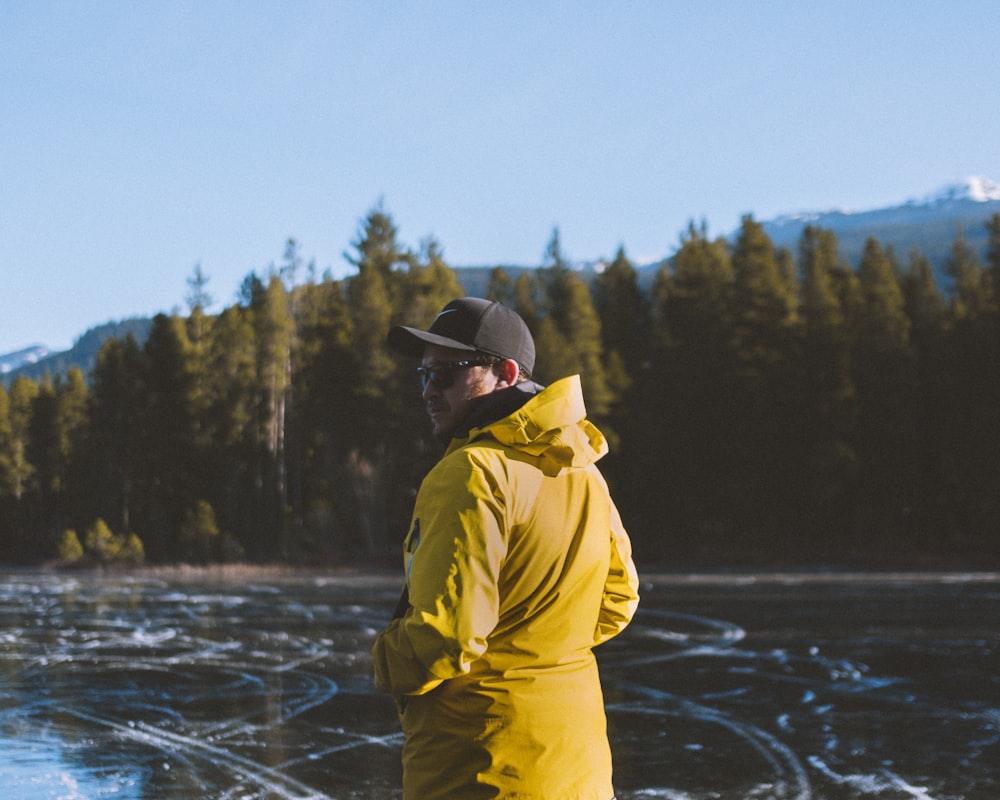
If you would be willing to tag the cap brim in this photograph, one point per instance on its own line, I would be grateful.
(411, 341)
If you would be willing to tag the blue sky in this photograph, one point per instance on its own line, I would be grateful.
(143, 137)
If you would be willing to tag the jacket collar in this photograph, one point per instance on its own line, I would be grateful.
(495, 406)
(548, 425)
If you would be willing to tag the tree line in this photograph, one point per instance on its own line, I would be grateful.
(764, 406)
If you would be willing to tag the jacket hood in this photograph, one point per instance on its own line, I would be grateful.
(549, 425)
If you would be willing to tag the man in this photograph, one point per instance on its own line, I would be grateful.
(516, 565)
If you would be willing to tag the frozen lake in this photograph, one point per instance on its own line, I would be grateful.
(258, 686)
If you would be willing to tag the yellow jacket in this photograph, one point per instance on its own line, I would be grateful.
(517, 564)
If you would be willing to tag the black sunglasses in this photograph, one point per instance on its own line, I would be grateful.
(442, 375)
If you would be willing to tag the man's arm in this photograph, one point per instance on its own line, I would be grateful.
(453, 602)
(621, 588)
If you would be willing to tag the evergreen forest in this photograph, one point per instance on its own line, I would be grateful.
(765, 407)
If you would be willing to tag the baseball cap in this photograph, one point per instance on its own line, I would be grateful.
(473, 324)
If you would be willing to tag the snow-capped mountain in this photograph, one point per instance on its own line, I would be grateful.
(36, 361)
(976, 189)
(969, 190)
(29, 355)
(929, 224)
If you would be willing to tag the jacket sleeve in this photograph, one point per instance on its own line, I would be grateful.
(452, 575)
(621, 587)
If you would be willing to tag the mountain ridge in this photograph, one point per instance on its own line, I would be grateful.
(31, 364)
(929, 224)
(974, 189)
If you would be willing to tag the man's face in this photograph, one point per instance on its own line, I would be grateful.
(447, 407)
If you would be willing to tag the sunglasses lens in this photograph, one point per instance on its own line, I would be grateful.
(440, 377)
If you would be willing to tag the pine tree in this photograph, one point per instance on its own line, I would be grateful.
(57, 419)
(972, 418)
(116, 434)
(42, 447)
(830, 397)
(765, 307)
(972, 291)
(22, 505)
(580, 326)
(23, 392)
(198, 296)
(624, 313)
(696, 301)
(569, 336)
(882, 324)
(677, 443)
(199, 326)
(291, 462)
(555, 356)
(74, 404)
(329, 413)
(927, 310)
(822, 310)
(291, 265)
(769, 433)
(8, 475)
(526, 301)
(500, 287)
(370, 294)
(426, 286)
(251, 291)
(273, 333)
(993, 258)
(883, 374)
(7, 457)
(554, 258)
(376, 244)
(173, 472)
(231, 423)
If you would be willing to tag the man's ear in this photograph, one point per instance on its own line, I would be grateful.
(509, 370)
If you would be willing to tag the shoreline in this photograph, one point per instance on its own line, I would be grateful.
(655, 574)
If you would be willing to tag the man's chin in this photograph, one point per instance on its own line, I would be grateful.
(443, 435)
(440, 426)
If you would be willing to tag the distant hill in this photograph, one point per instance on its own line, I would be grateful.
(21, 358)
(929, 224)
(37, 362)
(476, 280)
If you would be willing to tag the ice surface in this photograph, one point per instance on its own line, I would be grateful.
(781, 686)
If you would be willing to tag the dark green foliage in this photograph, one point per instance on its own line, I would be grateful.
(680, 445)
(993, 255)
(883, 374)
(829, 397)
(102, 546)
(624, 311)
(763, 407)
(558, 307)
(115, 432)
